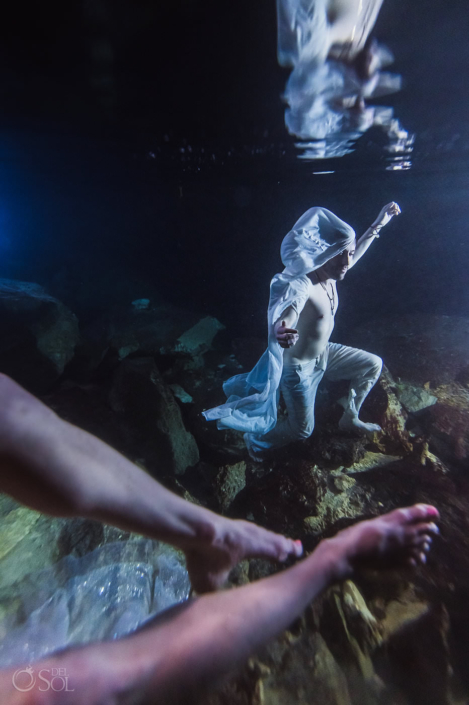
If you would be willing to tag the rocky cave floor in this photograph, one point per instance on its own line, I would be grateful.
(139, 376)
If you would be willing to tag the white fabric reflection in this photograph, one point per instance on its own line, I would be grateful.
(336, 67)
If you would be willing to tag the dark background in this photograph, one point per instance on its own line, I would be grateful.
(143, 153)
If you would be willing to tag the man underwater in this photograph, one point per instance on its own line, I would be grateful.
(317, 253)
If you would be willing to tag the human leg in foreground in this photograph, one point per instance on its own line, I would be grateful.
(174, 659)
(54, 467)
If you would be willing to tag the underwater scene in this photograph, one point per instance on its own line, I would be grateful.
(234, 353)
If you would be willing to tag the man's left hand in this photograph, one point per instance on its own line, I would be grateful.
(386, 214)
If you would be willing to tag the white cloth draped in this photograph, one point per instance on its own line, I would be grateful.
(324, 83)
(252, 397)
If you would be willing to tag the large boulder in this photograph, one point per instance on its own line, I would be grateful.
(39, 335)
(153, 330)
(140, 393)
(447, 424)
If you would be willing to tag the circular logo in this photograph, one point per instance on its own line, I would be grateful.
(24, 679)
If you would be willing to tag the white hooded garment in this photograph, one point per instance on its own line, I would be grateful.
(252, 397)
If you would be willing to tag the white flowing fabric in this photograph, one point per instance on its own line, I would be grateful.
(324, 83)
(304, 31)
(317, 98)
(252, 398)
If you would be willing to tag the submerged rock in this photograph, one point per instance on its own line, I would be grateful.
(416, 657)
(414, 399)
(198, 339)
(181, 394)
(146, 330)
(141, 304)
(39, 335)
(229, 482)
(447, 424)
(140, 393)
(308, 674)
(385, 408)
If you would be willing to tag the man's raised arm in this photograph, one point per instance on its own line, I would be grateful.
(386, 214)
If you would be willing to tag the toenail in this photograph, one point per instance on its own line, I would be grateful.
(433, 527)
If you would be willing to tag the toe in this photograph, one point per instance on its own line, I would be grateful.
(420, 539)
(430, 528)
(417, 513)
(287, 548)
(297, 548)
(419, 555)
(421, 532)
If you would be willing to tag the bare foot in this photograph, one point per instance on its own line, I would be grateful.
(401, 538)
(210, 564)
(351, 422)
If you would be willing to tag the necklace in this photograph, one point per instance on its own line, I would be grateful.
(331, 298)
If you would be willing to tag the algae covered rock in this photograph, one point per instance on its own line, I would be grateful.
(414, 399)
(387, 410)
(229, 482)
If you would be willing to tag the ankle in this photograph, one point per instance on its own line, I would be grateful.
(197, 529)
(334, 554)
(350, 413)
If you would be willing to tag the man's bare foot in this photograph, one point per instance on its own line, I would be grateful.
(398, 539)
(234, 540)
(351, 422)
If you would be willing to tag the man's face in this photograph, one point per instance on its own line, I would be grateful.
(336, 268)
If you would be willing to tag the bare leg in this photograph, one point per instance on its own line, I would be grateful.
(195, 644)
(59, 469)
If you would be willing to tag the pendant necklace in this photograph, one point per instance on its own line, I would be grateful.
(331, 298)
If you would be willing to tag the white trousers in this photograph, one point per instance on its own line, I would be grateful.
(299, 385)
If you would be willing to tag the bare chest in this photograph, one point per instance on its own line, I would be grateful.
(319, 311)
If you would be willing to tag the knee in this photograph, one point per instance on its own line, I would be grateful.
(376, 365)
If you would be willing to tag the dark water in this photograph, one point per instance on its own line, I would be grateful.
(143, 154)
(174, 147)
